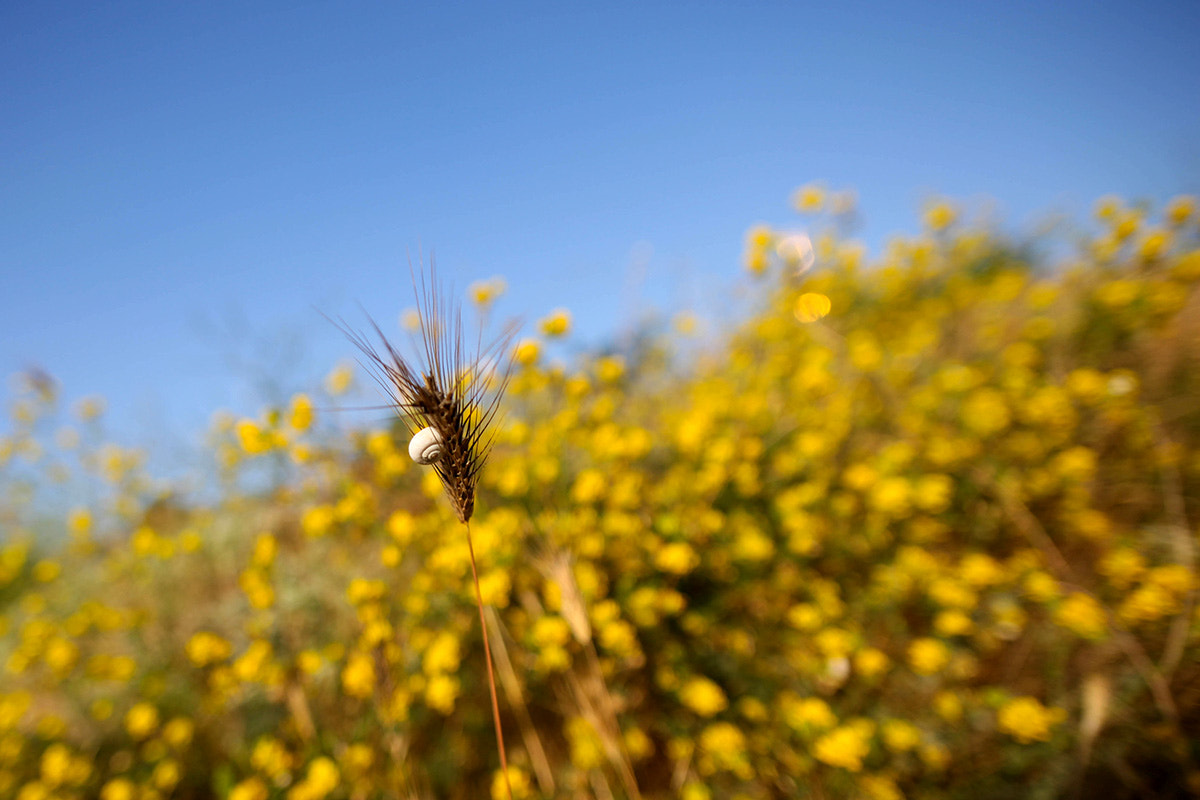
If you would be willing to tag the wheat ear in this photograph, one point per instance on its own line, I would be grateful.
(449, 394)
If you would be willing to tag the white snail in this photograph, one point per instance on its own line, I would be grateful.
(426, 446)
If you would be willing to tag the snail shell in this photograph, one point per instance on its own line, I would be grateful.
(426, 446)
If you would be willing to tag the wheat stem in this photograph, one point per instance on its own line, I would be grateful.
(487, 653)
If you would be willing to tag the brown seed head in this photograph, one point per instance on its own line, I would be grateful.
(447, 389)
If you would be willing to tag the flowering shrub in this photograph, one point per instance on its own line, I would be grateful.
(924, 527)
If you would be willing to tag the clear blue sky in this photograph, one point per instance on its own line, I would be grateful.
(171, 168)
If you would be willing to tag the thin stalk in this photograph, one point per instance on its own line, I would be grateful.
(487, 653)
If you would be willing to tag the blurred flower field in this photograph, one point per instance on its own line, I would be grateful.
(923, 525)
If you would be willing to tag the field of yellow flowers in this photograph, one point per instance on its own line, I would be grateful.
(924, 525)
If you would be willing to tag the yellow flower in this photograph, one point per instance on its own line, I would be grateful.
(755, 261)
(178, 732)
(870, 662)
(984, 412)
(891, 496)
(759, 237)
(1122, 566)
(484, 293)
(79, 521)
(879, 787)
(340, 379)
(1147, 603)
(685, 323)
(254, 664)
(948, 706)
(410, 320)
(587, 752)
(703, 696)
(677, 558)
(251, 438)
(933, 493)
(442, 654)
(1176, 579)
(834, 642)
(527, 352)
(1107, 207)
(323, 774)
(322, 778)
(56, 764)
(900, 736)
(809, 199)
(557, 324)
(318, 520)
(46, 570)
(619, 638)
(1180, 209)
(725, 746)
(166, 774)
(358, 676)
(518, 781)
(89, 408)
(639, 745)
(441, 692)
(952, 623)
(205, 648)
(549, 631)
(1126, 224)
(1027, 720)
(141, 720)
(589, 486)
(940, 216)
(250, 789)
(928, 656)
(300, 416)
(844, 747)
(118, 789)
(1041, 587)
(805, 616)
(807, 713)
(811, 306)
(270, 757)
(1081, 614)
(609, 369)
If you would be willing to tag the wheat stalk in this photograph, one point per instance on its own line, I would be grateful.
(456, 391)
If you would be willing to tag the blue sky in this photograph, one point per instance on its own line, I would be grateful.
(185, 184)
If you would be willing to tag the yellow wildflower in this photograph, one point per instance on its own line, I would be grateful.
(870, 662)
(141, 720)
(940, 216)
(703, 696)
(340, 379)
(928, 656)
(1081, 614)
(900, 736)
(809, 199)
(527, 352)
(358, 676)
(300, 416)
(1180, 209)
(557, 324)
(518, 781)
(811, 306)
(677, 558)
(1027, 720)
(844, 747)
(205, 648)
(484, 293)
(250, 789)
(118, 789)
